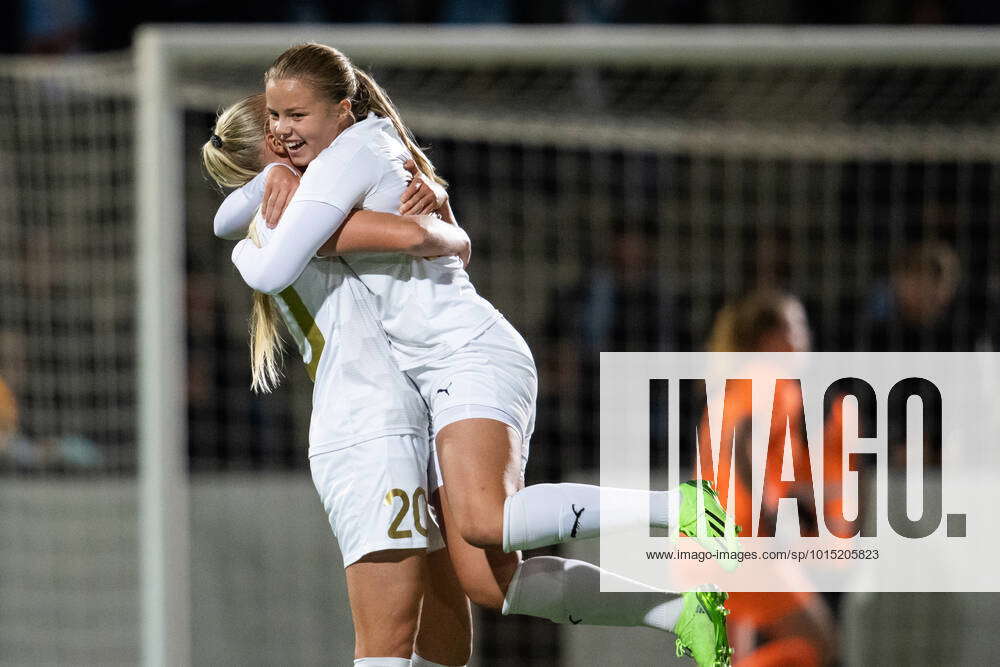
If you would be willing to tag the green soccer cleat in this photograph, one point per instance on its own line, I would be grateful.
(715, 538)
(701, 629)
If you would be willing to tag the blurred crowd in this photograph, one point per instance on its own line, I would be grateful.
(618, 307)
(66, 26)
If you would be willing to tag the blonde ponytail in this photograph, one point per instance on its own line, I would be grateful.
(232, 156)
(371, 97)
(265, 339)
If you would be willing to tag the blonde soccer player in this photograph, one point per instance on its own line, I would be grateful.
(470, 365)
(368, 447)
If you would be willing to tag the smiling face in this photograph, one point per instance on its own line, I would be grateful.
(303, 120)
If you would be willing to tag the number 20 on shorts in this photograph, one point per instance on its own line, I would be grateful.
(418, 494)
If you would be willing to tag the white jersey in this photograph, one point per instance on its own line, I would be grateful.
(428, 308)
(359, 393)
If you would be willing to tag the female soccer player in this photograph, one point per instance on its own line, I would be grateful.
(776, 628)
(471, 367)
(368, 433)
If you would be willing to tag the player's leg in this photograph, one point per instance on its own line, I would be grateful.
(375, 497)
(547, 514)
(385, 589)
(481, 459)
(492, 509)
(482, 400)
(568, 591)
(483, 572)
(480, 473)
(482, 465)
(444, 635)
(482, 404)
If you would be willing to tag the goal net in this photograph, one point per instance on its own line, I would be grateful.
(619, 186)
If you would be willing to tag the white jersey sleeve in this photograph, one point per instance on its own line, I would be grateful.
(337, 180)
(238, 209)
(341, 176)
(305, 227)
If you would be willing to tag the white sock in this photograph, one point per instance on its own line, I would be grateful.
(545, 514)
(569, 591)
(417, 661)
(382, 662)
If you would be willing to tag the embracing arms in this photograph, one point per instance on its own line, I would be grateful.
(309, 228)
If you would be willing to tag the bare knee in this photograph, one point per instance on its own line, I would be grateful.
(487, 587)
(479, 523)
(481, 462)
(391, 638)
(445, 632)
(385, 589)
(482, 536)
(485, 597)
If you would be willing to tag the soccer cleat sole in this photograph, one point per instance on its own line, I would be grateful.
(713, 602)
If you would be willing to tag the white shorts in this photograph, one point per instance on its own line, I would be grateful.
(375, 495)
(493, 376)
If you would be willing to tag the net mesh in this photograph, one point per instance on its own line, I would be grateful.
(68, 557)
(610, 207)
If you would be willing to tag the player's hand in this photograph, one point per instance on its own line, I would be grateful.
(423, 195)
(279, 187)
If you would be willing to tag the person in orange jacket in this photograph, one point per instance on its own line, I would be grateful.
(788, 628)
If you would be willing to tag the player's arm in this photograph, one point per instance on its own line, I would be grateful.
(416, 235)
(412, 232)
(422, 195)
(317, 210)
(363, 231)
(305, 227)
(235, 213)
(327, 193)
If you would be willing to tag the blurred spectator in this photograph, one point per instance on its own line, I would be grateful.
(920, 309)
(916, 310)
(617, 306)
(763, 321)
(62, 453)
(8, 418)
(620, 306)
(771, 629)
